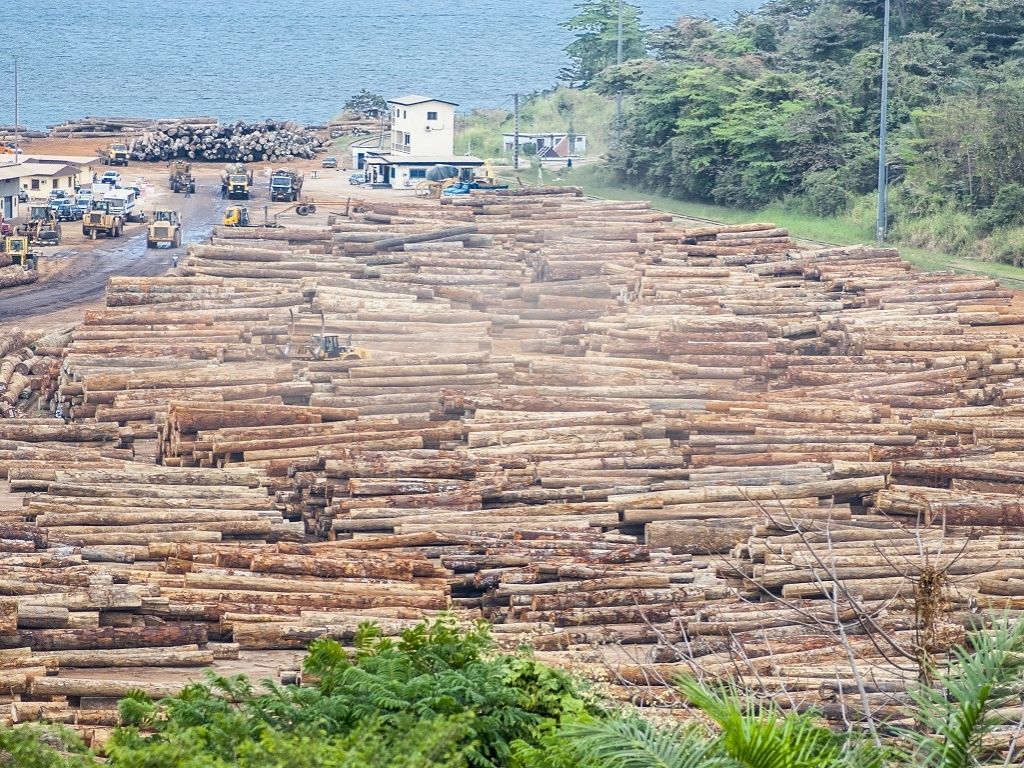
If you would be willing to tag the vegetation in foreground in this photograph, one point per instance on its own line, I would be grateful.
(441, 697)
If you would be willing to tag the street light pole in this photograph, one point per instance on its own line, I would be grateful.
(883, 128)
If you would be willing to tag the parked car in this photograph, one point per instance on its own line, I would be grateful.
(57, 194)
(357, 179)
(65, 210)
(113, 178)
(329, 162)
(136, 190)
(22, 196)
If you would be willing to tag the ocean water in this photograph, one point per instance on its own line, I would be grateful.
(295, 59)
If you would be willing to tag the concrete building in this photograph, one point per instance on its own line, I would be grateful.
(422, 136)
(39, 179)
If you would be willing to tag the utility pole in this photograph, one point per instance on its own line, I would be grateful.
(17, 142)
(618, 95)
(883, 175)
(515, 140)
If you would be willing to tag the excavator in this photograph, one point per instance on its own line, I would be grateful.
(324, 346)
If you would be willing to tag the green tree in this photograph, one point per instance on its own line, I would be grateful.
(366, 103)
(596, 25)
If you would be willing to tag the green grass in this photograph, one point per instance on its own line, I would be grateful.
(857, 227)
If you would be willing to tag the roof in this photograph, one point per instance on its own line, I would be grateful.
(66, 159)
(456, 160)
(49, 169)
(408, 101)
(541, 134)
(12, 171)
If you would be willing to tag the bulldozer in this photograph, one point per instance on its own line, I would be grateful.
(236, 216)
(115, 153)
(20, 252)
(164, 229)
(42, 228)
(100, 221)
(324, 346)
(181, 178)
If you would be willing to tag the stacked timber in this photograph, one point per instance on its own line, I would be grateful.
(655, 447)
(269, 140)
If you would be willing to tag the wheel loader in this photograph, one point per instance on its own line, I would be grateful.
(20, 252)
(101, 221)
(42, 228)
(324, 346)
(164, 229)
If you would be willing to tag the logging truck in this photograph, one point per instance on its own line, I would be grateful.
(235, 182)
(285, 185)
(115, 153)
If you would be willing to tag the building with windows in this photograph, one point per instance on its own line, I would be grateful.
(422, 136)
(10, 183)
(548, 145)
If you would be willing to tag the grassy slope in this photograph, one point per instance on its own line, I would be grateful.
(840, 231)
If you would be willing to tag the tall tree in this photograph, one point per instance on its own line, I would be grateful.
(595, 48)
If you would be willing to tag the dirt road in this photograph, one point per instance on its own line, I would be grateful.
(78, 274)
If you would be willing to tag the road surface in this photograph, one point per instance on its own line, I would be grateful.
(84, 277)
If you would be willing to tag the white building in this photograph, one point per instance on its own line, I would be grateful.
(10, 183)
(422, 136)
(549, 145)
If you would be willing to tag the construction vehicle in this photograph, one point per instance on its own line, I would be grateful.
(165, 229)
(20, 252)
(115, 153)
(235, 182)
(323, 346)
(42, 228)
(181, 178)
(236, 216)
(285, 185)
(103, 220)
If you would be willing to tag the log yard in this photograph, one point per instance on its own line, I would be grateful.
(640, 445)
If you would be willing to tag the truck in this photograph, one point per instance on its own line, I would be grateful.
(235, 182)
(285, 185)
(115, 153)
(42, 227)
(122, 202)
(181, 178)
(101, 220)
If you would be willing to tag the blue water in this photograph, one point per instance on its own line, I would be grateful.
(296, 59)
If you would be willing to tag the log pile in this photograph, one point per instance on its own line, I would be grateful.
(270, 141)
(653, 447)
(13, 276)
(115, 127)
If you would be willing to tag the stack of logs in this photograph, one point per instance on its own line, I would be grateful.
(270, 141)
(646, 448)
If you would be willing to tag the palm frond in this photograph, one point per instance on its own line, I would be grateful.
(957, 711)
(635, 743)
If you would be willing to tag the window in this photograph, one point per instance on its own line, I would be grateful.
(418, 173)
(35, 183)
(408, 139)
(404, 114)
(431, 115)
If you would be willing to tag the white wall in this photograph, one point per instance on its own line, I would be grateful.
(426, 137)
